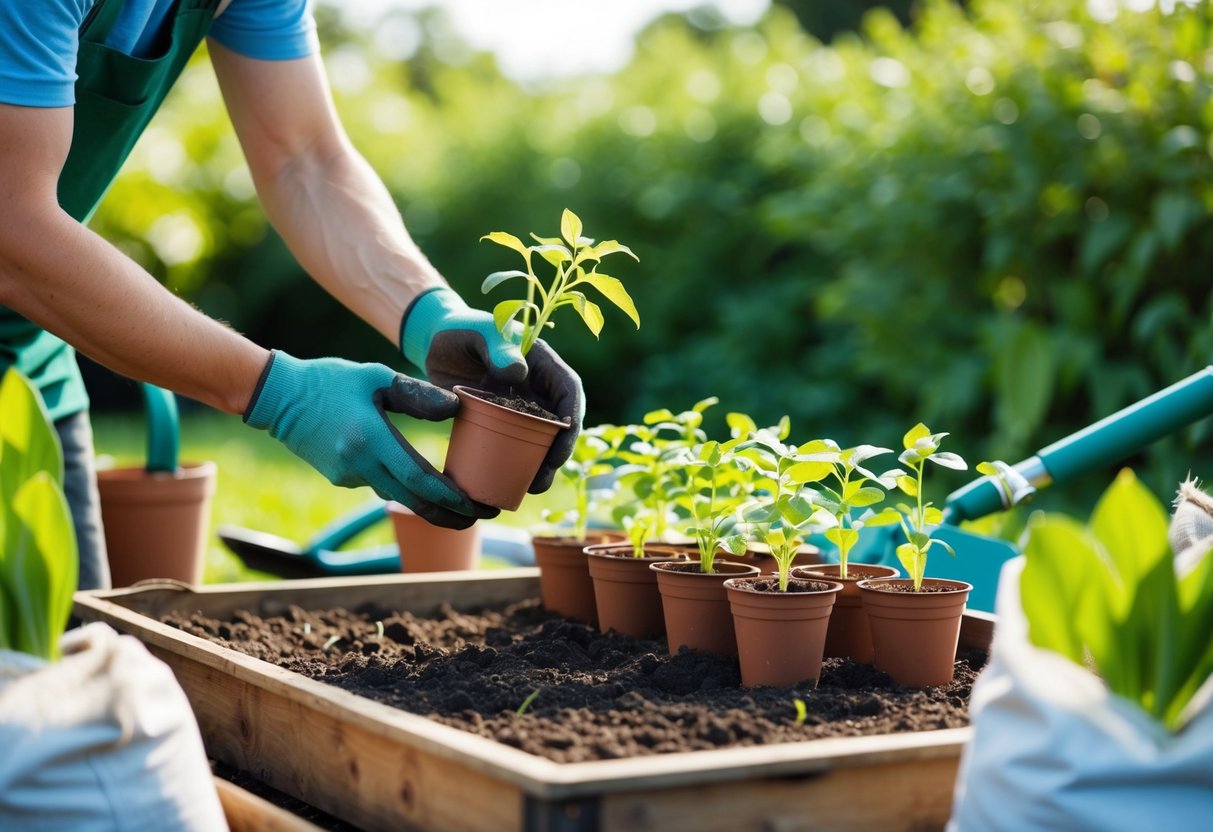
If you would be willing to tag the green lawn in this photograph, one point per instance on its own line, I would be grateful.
(263, 486)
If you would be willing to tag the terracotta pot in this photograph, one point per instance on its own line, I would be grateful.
(156, 522)
(760, 555)
(696, 606)
(565, 586)
(914, 634)
(625, 589)
(849, 635)
(780, 635)
(495, 452)
(425, 547)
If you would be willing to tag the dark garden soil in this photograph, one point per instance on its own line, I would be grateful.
(599, 696)
(522, 405)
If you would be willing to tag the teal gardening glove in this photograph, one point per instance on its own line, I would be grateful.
(455, 344)
(332, 413)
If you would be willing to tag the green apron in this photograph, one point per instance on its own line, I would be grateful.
(116, 97)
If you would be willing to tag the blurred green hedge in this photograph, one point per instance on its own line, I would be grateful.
(996, 221)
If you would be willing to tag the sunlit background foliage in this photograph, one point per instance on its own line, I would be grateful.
(993, 218)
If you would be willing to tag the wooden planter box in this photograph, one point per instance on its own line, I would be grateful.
(384, 769)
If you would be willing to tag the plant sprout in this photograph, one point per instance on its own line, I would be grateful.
(855, 490)
(591, 458)
(919, 519)
(784, 511)
(654, 466)
(569, 254)
(802, 712)
(526, 703)
(716, 494)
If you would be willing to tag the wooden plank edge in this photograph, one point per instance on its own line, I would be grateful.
(246, 812)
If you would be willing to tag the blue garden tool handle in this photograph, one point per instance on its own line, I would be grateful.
(163, 429)
(1108, 440)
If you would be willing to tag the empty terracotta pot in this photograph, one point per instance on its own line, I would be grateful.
(849, 635)
(425, 547)
(780, 635)
(625, 589)
(914, 634)
(495, 452)
(696, 606)
(565, 586)
(156, 522)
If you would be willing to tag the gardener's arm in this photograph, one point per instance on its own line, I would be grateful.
(340, 222)
(64, 277)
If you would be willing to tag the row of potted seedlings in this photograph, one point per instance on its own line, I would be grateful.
(709, 548)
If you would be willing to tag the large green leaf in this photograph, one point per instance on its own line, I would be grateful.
(43, 563)
(497, 278)
(570, 227)
(501, 238)
(612, 289)
(588, 310)
(1059, 555)
(28, 443)
(1131, 525)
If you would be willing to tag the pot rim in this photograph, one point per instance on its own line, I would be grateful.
(624, 552)
(743, 584)
(748, 570)
(872, 585)
(801, 571)
(462, 390)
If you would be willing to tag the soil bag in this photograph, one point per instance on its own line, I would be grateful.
(1053, 749)
(103, 739)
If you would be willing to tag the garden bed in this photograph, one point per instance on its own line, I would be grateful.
(641, 733)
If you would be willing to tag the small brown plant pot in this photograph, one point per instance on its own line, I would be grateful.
(565, 586)
(495, 452)
(914, 634)
(425, 547)
(849, 635)
(625, 589)
(696, 605)
(780, 635)
(156, 522)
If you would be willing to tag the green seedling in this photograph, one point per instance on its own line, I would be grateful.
(575, 259)
(783, 509)
(849, 502)
(802, 713)
(653, 468)
(1109, 596)
(592, 457)
(38, 559)
(526, 703)
(716, 494)
(921, 518)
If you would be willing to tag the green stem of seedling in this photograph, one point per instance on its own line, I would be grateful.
(582, 490)
(526, 703)
(802, 713)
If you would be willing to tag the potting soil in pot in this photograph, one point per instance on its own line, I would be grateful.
(599, 696)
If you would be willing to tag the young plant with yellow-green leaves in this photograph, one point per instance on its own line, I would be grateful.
(848, 503)
(921, 517)
(38, 560)
(591, 458)
(575, 259)
(783, 506)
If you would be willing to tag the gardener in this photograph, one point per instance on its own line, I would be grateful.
(79, 80)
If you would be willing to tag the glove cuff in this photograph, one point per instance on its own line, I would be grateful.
(423, 318)
(271, 389)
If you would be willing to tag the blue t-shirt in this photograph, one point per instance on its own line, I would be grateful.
(38, 41)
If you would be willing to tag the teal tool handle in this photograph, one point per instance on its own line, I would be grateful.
(163, 428)
(1108, 440)
(344, 528)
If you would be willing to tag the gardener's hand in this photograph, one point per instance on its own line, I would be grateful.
(455, 344)
(332, 413)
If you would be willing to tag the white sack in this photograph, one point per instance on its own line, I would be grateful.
(103, 739)
(1053, 749)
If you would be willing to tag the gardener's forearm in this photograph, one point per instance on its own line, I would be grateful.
(330, 207)
(71, 282)
(65, 278)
